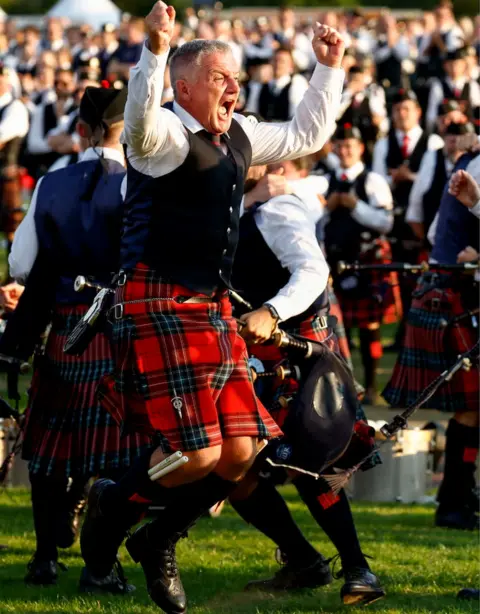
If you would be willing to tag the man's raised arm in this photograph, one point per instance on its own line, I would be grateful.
(145, 130)
(314, 118)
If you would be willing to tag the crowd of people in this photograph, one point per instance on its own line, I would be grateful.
(260, 155)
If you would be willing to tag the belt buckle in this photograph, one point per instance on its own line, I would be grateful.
(122, 278)
(323, 322)
(118, 311)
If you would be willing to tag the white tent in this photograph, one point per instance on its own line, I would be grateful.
(93, 12)
(3, 15)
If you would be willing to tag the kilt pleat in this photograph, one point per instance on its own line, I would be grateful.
(181, 373)
(66, 429)
(430, 348)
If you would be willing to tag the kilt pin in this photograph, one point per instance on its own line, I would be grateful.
(181, 373)
(66, 431)
(430, 346)
(377, 297)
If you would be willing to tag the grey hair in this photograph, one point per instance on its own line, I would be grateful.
(191, 53)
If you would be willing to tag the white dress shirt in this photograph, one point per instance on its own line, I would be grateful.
(376, 101)
(37, 140)
(157, 138)
(423, 183)
(298, 87)
(288, 227)
(436, 97)
(380, 150)
(15, 119)
(25, 242)
(401, 50)
(377, 214)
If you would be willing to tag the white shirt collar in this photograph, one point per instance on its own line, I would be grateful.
(5, 99)
(108, 153)
(352, 173)
(414, 134)
(459, 83)
(282, 82)
(187, 120)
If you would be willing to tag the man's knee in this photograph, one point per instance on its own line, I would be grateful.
(468, 418)
(238, 454)
(200, 464)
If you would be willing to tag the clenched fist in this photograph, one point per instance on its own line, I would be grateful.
(328, 46)
(159, 24)
(465, 189)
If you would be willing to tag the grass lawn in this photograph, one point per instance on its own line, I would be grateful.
(422, 567)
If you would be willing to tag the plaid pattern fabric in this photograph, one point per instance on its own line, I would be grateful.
(66, 430)
(181, 369)
(429, 348)
(382, 301)
(339, 330)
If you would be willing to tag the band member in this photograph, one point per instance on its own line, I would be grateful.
(281, 270)
(439, 328)
(455, 86)
(359, 215)
(279, 98)
(13, 128)
(182, 371)
(434, 172)
(397, 157)
(73, 225)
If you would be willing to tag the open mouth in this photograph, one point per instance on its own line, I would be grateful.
(226, 108)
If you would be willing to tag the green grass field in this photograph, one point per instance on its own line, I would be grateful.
(422, 567)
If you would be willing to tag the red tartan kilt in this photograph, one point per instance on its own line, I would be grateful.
(430, 348)
(336, 311)
(66, 430)
(181, 370)
(382, 303)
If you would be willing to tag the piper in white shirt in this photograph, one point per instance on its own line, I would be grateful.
(282, 272)
(456, 85)
(359, 215)
(13, 128)
(434, 172)
(186, 171)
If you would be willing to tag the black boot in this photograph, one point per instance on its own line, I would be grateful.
(361, 586)
(159, 565)
(69, 518)
(294, 576)
(42, 572)
(114, 583)
(463, 520)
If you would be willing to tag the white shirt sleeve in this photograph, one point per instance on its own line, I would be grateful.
(474, 93)
(14, 122)
(379, 164)
(310, 127)
(435, 98)
(421, 185)
(432, 231)
(297, 92)
(151, 130)
(377, 213)
(290, 234)
(25, 243)
(475, 210)
(36, 141)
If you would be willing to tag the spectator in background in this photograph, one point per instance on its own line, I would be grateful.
(109, 45)
(289, 38)
(129, 50)
(54, 40)
(390, 50)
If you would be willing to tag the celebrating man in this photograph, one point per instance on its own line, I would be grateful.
(182, 370)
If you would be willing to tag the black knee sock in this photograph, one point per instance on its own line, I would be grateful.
(334, 516)
(371, 351)
(267, 511)
(186, 505)
(460, 456)
(48, 497)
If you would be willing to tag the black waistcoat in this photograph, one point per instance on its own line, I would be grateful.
(343, 234)
(389, 70)
(401, 192)
(11, 150)
(463, 99)
(361, 117)
(184, 225)
(431, 198)
(258, 274)
(274, 106)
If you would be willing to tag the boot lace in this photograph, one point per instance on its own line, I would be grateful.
(170, 558)
(334, 560)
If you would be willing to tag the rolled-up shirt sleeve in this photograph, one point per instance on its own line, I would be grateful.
(310, 127)
(377, 214)
(25, 243)
(290, 234)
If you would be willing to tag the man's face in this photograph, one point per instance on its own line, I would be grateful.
(444, 16)
(452, 142)
(283, 64)
(349, 151)
(64, 85)
(54, 30)
(406, 115)
(287, 19)
(456, 116)
(4, 84)
(455, 69)
(213, 91)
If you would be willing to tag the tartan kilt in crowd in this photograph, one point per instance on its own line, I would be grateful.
(66, 431)
(181, 371)
(377, 296)
(340, 333)
(429, 347)
(272, 356)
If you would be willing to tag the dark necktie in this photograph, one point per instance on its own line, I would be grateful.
(213, 138)
(405, 146)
